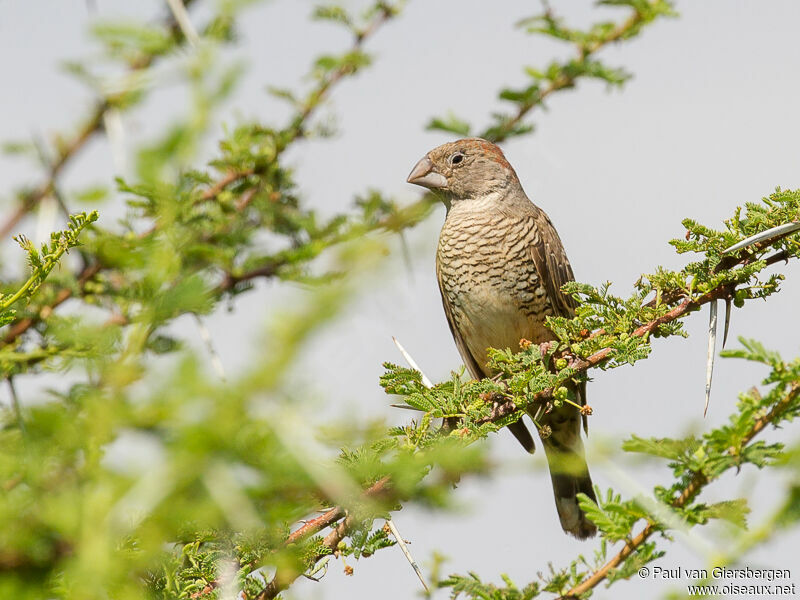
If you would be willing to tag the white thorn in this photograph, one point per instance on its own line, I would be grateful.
(112, 123)
(226, 577)
(774, 232)
(727, 321)
(712, 345)
(206, 337)
(425, 381)
(401, 542)
(183, 21)
(46, 220)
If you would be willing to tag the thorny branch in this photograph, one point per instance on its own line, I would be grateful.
(580, 365)
(692, 489)
(283, 578)
(503, 409)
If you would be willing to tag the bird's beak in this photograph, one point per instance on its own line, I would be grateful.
(424, 175)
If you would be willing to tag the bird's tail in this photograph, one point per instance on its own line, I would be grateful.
(570, 475)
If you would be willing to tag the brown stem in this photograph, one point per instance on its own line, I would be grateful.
(285, 576)
(580, 365)
(697, 483)
(231, 177)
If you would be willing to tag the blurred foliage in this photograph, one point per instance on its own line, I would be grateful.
(145, 474)
(561, 75)
(696, 462)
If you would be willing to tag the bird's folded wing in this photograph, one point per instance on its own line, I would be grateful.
(552, 265)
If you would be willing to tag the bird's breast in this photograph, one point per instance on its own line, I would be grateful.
(489, 280)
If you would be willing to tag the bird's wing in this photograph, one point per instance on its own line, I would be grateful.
(552, 265)
(554, 269)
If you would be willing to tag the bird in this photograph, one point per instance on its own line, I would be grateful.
(500, 265)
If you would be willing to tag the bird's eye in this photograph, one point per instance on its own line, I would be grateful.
(456, 158)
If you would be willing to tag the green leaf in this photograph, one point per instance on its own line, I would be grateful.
(663, 447)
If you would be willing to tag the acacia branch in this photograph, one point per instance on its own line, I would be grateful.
(565, 80)
(581, 365)
(503, 409)
(315, 97)
(284, 577)
(282, 580)
(692, 489)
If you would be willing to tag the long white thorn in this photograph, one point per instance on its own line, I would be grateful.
(727, 321)
(183, 21)
(411, 363)
(401, 542)
(764, 236)
(712, 347)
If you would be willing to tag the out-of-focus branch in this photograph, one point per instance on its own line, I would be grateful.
(23, 325)
(692, 489)
(68, 150)
(283, 578)
(318, 94)
(566, 80)
(230, 280)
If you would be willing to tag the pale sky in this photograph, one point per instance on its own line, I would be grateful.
(709, 122)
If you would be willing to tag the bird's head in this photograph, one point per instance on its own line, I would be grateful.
(464, 169)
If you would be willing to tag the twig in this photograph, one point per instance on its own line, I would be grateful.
(229, 178)
(284, 576)
(320, 93)
(404, 547)
(692, 489)
(503, 409)
(15, 404)
(566, 81)
(21, 326)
